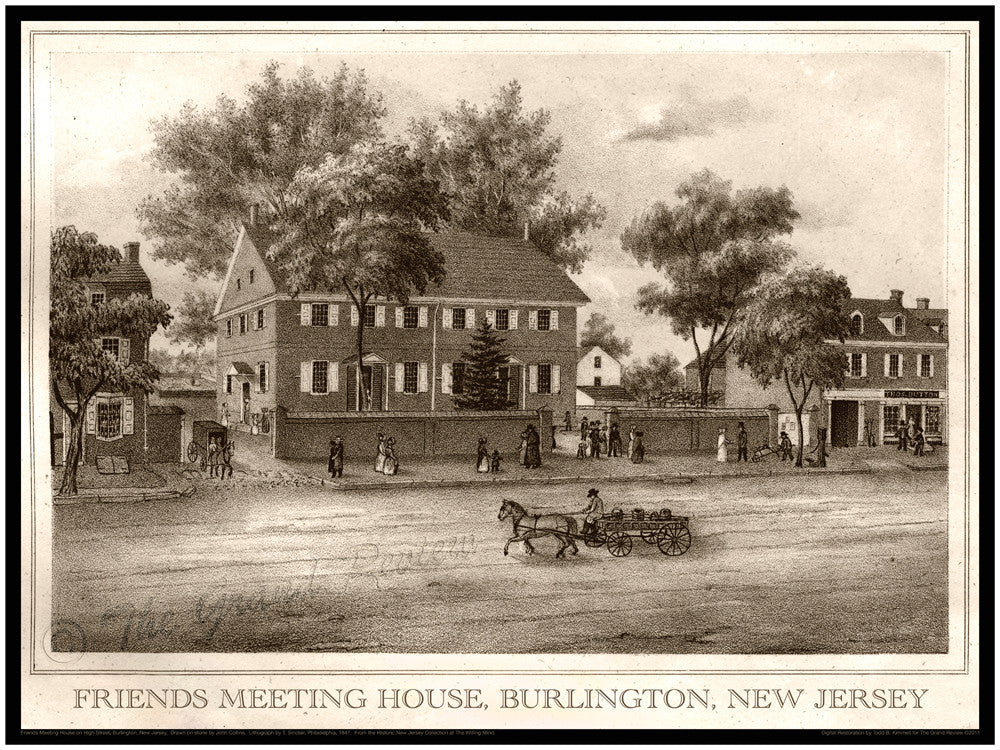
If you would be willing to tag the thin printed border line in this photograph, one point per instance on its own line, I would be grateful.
(967, 340)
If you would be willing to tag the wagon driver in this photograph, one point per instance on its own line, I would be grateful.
(594, 509)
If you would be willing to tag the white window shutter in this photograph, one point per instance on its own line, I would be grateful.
(423, 316)
(513, 320)
(491, 318)
(399, 316)
(556, 377)
(354, 315)
(334, 317)
(305, 377)
(470, 317)
(446, 317)
(554, 320)
(886, 373)
(849, 358)
(532, 320)
(932, 365)
(267, 376)
(864, 365)
(399, 377)
(259, 388)
(124, 351)
(422, 377)
(305, 313)
(333, 376)
(532, 378)
(380, 316)
(128, 415)
(899, 370)
(92, 417)
(446, 377)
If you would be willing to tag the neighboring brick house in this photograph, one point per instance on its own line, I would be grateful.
(121, 424)
(301, 354)
(897, 359)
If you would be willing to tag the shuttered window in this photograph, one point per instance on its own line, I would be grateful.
(458, 318)
(410, 377)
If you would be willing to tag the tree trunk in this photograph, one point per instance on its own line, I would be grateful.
(802, 438)
(68, 486)
(359, 398)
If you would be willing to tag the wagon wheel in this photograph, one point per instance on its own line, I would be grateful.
(619, 544)
(674, 538)
(227, 452)
(596, 539)
(192, 451)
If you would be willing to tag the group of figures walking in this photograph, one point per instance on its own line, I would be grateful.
(596, 439)
(386, 461)
(910, 435)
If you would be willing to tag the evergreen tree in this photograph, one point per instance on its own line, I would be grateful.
(482, 389)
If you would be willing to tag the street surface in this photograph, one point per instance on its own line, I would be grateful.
(831, 564)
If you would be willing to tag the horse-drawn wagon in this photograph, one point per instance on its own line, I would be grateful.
(204, 433)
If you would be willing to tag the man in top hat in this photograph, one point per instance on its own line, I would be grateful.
(741, 443)
(594, 509)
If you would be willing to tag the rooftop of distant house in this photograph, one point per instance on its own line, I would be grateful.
(128, 271)
(921, 324)
(476, 267)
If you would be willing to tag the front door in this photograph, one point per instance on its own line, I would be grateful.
(916, 413)
(844, 424)
(373, 388)
(245, 403)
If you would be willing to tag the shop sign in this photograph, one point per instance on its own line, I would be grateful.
(912, 394)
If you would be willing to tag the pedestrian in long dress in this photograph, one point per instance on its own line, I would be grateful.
(602, 438)
(638, 449)
(390, 464)
(584, 428)
(523, 449)
(482, 457)
(224, 415)
(532, 455)
(336, 463)
(918, 442)
(722, 456)
(380, 455)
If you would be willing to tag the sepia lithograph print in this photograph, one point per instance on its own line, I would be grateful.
(442, 375)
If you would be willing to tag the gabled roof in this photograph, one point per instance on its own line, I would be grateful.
(916, 330)
(590, 353)
(124, 273)
(721, 365)
(477, 267)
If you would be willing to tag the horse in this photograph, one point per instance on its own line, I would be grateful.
(530, 526)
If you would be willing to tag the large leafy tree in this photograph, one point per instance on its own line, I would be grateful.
(237, 154)
(78, 366)
(783, 335)
(196, 327)
(355, 223)
(599, 331)
(712, 248)
(650, 379)
(482, 389)
(498, 166)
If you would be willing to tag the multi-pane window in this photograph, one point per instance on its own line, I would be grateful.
(856, 365)
(260, 318)
(890, 420)
(458, 317)
(97, 298)
(925, 365)
(457, 377)
(229, 383)
(229, 327)
(319, 384)
(369, 316)
(597, 362)
(262, 377)
(320, 314)
(544, 320)
(502, 320)
(933, 419)
(251, 275)
(545, 378)
(109, 419)
(411, 316)
(857, 324)
(409, 377)
(893, 365)
(112, 345)
(243, 324)
(899, 326)
(597, 381)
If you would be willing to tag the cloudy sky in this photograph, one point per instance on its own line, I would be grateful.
(859, 140)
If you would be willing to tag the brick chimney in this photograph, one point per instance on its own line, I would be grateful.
(131, 252)
(923, 303)
(897, 295)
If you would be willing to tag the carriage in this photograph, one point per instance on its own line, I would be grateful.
(616, 530)
(203, 432)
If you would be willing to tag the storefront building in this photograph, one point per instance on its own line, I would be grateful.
(897, 371)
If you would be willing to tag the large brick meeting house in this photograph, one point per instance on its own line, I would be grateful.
(300, 353)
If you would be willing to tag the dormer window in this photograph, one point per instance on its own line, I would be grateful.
(899, 325)
(857, 324)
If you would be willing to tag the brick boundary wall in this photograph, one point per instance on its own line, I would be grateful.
(417, 434)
